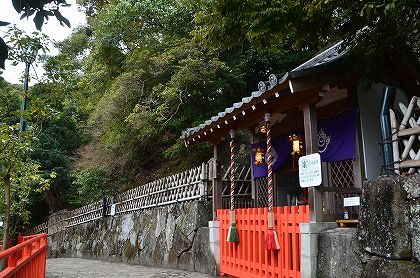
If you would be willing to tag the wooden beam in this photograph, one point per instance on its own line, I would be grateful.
(294, 119)
(410, 164)
(253, 188)
(284, 102)
(311, 145)
(311, 129)
(395, 149)
(349, 190)
(409, 131)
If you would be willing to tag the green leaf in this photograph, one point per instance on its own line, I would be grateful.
(3, 23)
(3, 52)
(39, 20)
(17, 5)
(27, 14)
(61, 18)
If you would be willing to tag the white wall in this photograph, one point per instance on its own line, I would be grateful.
(370, 97)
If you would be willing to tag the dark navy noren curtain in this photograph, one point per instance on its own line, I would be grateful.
(336, 141)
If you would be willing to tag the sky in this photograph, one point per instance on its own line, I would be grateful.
(52, 28)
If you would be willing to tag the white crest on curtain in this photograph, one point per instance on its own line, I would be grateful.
(323, 141)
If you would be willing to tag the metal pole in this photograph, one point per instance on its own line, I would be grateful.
(22, 127)
(25, 93)
(388, 97)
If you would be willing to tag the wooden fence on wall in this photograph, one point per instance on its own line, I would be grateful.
(405, 137)
(182, 187)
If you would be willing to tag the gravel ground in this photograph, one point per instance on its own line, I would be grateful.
(75, 267)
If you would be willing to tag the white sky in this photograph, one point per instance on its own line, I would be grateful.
(52, 28)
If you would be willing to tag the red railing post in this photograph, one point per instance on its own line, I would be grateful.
(27, 259)
(248, 258)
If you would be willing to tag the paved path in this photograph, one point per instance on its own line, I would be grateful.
(72, 268)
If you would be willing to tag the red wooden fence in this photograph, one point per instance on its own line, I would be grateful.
(248, 258)
(27, 259)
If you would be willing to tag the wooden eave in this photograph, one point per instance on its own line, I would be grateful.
(279, 99)
(236, 119)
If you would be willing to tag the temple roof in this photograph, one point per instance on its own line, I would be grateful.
(327, 56)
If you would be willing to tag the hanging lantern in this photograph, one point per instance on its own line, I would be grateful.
(264, 129)
(259, 156)
(297, 144)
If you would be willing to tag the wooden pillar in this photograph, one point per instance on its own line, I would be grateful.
(217, 180)
(253, 189)
(311, 145)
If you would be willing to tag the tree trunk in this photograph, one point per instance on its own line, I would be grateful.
(6, 218)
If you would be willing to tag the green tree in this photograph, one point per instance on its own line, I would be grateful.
(58, 139)
(19, 174)
(146, 80)
(374, 29)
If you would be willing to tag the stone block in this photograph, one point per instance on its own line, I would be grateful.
(203, 258)
(309, 242)
(378, 267)
(415, 227)
(412, 187)
(384, 227)
(339, 254)
(157, 237)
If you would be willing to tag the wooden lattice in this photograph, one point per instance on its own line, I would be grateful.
(261, 186)
(341, 182)
(185, 186)
(85, 214)
(243, 190)
(42, 228)
(342, 173)
(406, 138)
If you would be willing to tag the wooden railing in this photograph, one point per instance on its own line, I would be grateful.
(248, 258)
(27, 259)
(42, 228)
(84, 214)
(184, 186)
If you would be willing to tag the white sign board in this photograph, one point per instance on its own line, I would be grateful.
(310, 173)
(112, 209)
(352, 201)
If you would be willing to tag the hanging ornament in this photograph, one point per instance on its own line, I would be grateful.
(259, 156)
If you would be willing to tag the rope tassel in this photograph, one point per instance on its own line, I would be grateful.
(233, 230)
(271, 238)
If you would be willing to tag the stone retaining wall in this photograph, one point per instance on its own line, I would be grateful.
(387, 241)
(173, 236)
